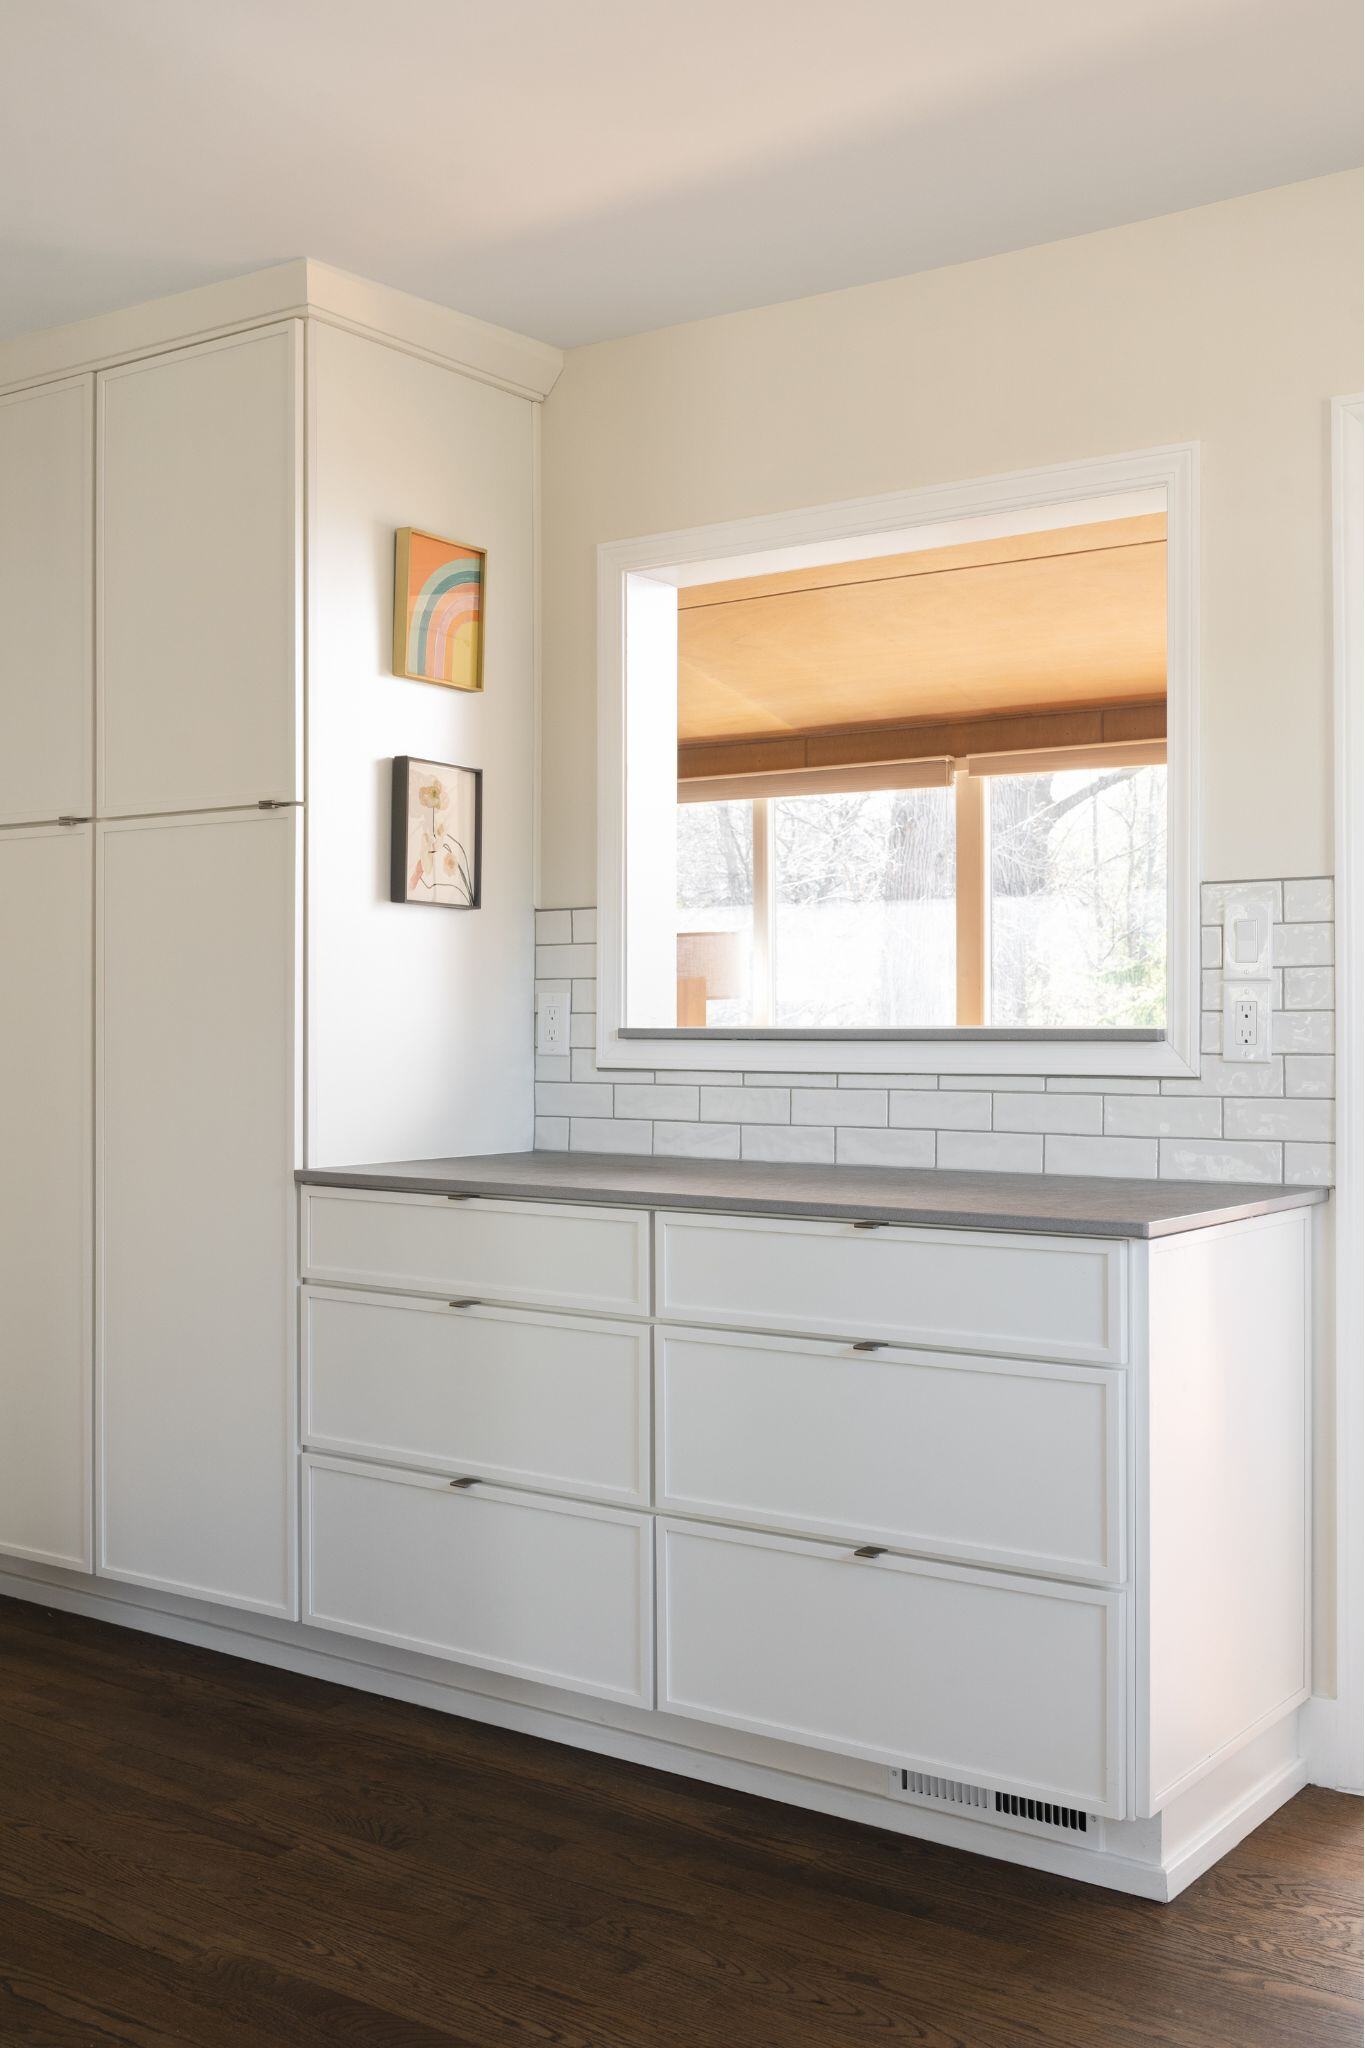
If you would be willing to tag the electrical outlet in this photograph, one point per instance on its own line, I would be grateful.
(1246, 1020)
(552, 1020)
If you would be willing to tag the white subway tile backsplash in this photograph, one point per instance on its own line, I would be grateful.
(812, 1145)
(1301, 945)
(563, 962)
(1310, 900)
(1302, 1031)
(1122, 1156)
(1255, 1120)
(883, 1148)
(1309, 988)
(1217, 898)
(950, 1109)
(1074, 1113)
(573, 1098)
(746, 1105)
(1303, 1117)
(1309, 1165)
(609, 1134)
(990, 1151)
(1163, 1116)
(655, 1098)
(696, 1141)
(1186, 1159)
(843, 1105)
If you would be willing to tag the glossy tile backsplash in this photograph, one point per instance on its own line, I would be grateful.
(1266, 1121)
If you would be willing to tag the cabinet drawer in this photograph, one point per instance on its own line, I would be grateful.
(1008, 1683)
(548, 1254)
(990, 1460)
(554, 1591)
(556, 1402)
(957, 1290)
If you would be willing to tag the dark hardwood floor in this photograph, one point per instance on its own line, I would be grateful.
(201, 1853)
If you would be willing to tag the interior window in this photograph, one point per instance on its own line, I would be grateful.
(927, 789)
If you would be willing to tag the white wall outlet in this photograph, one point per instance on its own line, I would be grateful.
(1246, 1020)
(552, 1020)
(1248, 922)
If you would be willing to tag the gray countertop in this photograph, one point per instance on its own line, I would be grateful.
(1053, 1202)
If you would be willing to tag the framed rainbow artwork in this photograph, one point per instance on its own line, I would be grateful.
(438, 589)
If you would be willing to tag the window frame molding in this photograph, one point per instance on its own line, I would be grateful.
(658, 558)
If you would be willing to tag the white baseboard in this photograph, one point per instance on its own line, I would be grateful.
(313, 1653)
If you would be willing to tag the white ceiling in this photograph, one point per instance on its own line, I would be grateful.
(583, 168)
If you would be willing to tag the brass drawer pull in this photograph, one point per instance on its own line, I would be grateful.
(871, 1550)
(869, 1224)
(870, 1344)
(461, 1483)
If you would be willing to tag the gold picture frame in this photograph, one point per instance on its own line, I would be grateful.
(439, 591)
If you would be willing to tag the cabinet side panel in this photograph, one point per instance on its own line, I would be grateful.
(419, 1039)
(1227, 1512)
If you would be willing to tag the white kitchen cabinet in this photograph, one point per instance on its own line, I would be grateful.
(46, 602)
(556, 1403)
(45, 1146)
(544, 1254)
(197, 1144)
(1008, 1683)
(1028, 1297)
(923, 1451)
(199, 538)
(555, 1591)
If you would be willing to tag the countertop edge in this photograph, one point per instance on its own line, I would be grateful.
(1276, 1198)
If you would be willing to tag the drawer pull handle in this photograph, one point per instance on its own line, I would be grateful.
(871, 1550)
(878, 1344)
(462, 1304)
(461, 1483)
(869, 1224)
(459, 1198)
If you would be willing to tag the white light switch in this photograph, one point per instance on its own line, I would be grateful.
(1247, 925)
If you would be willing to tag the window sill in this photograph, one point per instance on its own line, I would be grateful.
(1114, 1055)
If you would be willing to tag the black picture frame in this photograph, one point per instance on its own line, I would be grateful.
(469, 861)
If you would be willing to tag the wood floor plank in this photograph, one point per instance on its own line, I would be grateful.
(196, 1852)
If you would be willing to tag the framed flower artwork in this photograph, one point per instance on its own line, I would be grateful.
(436, 852)
(438, 591)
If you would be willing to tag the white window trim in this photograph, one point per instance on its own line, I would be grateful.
(892, 523)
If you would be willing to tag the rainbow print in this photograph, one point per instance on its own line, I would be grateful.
(438, 610)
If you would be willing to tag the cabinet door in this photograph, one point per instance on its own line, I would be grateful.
(45, 1005)
(199, 576)
(46, 592)
(197, 1147)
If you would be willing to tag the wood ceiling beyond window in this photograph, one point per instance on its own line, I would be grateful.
(1038, 622)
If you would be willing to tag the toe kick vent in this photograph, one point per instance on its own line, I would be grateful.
(1038, 1816)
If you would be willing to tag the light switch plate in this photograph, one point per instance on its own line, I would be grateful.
(1248, 923)
(1246, 1020)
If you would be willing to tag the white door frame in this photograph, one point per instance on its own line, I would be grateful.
(1338, 1726)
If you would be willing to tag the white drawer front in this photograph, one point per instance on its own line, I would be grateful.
(957, 1290)
(554, 1591)
(1011, 1684)
(983, 1459)
(548, 1254)
(556, 1402)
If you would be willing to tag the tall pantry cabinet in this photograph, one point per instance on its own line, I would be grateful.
(173, 523)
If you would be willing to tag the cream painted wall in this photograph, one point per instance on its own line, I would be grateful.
(1231, 325)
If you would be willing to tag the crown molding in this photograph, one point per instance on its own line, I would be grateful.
(303, 288)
